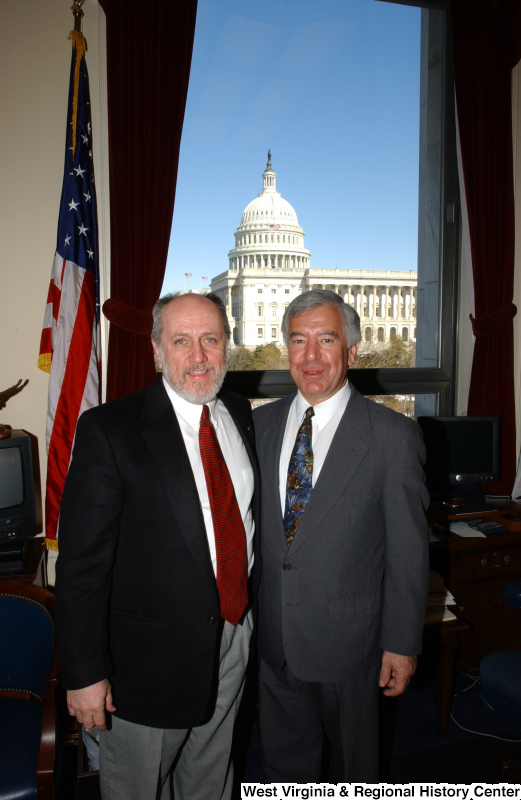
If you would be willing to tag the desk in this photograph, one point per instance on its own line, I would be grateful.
(35, 570)
(444, 638)
(476, 571)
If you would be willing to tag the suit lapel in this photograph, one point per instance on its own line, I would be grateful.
(164, 438)
(346, 453)
(245, 428)
(274, 437)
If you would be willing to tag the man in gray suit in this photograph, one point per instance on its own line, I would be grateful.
(344, 552)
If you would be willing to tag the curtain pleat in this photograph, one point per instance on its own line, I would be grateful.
(485, 47)
(149, 52)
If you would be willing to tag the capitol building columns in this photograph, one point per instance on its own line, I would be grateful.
(270, 266)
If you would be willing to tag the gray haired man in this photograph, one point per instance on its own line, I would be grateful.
(344, 553)
(156, 546)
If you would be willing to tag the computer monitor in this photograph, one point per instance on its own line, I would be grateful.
(462, 453)
(17, 499)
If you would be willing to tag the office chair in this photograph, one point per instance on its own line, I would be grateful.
(500, 673)
(28, 680)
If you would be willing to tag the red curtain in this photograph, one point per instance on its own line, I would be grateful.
(486, 43)
(149, 52)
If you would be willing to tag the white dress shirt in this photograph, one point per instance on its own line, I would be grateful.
(324, 424)
(234, 453)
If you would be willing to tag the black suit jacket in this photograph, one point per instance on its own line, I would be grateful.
(136, 599)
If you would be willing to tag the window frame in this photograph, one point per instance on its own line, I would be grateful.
(440, 380)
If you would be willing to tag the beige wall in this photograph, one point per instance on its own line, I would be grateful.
(34, 60)
(34, 74)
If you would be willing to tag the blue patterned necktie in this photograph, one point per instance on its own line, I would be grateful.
(300, 478)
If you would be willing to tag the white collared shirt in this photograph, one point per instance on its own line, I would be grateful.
(235, 455)
(324, 424)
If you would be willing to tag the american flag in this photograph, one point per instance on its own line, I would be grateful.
(204, 279)
(274, 227)
(70, 342)
(188, 274)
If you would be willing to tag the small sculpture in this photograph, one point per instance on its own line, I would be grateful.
(8, 393)
(5, 430)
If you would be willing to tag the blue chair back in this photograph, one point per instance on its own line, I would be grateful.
(26, 644)
(513, 594)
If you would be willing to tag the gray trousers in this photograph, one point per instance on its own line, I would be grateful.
(142, 763)
(295, 715)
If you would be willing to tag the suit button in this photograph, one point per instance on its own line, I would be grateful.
(211, 620)
(286, 566)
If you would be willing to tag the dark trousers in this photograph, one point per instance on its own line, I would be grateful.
(295, 715)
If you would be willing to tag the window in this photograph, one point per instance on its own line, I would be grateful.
(432, 309)
(274, 291)
(260, 311)
(274, 311)
(259, 290)
(273, 333)
(260, 333)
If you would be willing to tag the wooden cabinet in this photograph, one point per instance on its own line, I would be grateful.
(476, 572)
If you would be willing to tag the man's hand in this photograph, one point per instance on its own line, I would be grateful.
(88, 705)
(396, 672)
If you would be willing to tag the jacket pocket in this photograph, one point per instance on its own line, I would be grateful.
(135, 616)
(359, 499)
(354, 606)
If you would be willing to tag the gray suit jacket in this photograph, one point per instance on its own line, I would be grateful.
(354, 580)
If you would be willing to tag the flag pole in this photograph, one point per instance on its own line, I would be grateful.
(77, 11)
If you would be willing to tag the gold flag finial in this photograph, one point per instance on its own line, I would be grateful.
(77, 10)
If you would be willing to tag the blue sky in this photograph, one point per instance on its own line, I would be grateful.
(332, 87)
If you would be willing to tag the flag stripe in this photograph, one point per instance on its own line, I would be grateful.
(62, 333)
(46, 341)
(69, 402)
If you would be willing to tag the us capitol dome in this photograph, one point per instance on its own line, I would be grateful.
(270, 265)
(269, 235)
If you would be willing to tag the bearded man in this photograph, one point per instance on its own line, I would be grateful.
(156, 549)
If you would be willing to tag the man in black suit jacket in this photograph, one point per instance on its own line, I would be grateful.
(138, 619)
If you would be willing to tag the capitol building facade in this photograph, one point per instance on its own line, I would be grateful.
(270, 265)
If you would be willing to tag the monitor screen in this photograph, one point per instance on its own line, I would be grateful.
(462, 449)
(11, 478)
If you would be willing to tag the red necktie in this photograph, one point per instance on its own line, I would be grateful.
(230, 538)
